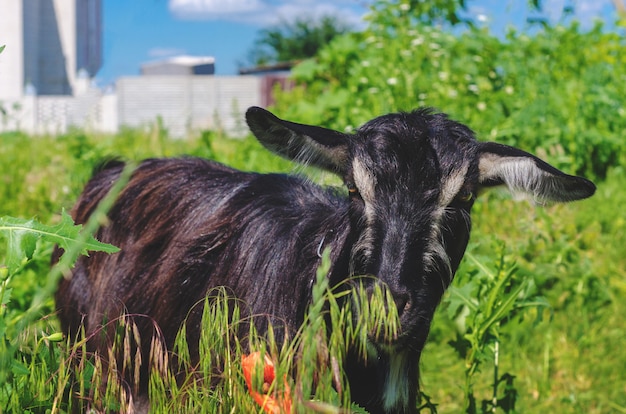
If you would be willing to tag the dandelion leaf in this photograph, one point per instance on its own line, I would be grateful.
(22, 236)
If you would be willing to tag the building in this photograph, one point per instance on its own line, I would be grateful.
(48, 42)
(187, 103)
(53, 51)
(272, 77)
(180, 65)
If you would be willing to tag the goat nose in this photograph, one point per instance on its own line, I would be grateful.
(403, 302)
(400, 297)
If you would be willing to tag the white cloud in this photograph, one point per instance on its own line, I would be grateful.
(267, 12)
(346, 11)
(214, 9)
(270, 12)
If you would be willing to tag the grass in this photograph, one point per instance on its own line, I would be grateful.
(570, 361)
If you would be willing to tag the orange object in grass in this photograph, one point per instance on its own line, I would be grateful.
(270, 404)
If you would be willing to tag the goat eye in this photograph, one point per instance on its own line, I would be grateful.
(352, 190)
(465, 197)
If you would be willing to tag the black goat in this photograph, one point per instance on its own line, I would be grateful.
(187, 225)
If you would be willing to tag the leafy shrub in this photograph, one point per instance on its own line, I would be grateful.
(558, 93)
(27, 346)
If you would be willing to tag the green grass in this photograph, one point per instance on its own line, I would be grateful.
(572, 255)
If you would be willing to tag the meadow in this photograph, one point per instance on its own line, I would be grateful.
(559, 339)
(534, 319)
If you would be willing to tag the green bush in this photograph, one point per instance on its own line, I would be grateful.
(558, 93)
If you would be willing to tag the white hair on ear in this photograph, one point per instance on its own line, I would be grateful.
(525, 179)
(304, 144)
(520, 175)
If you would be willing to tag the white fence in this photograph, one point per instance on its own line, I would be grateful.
(184, 105)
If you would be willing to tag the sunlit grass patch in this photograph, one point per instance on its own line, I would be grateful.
(308, 364)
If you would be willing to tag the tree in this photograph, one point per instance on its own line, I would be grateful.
(293, 41)
(391, 13)
(424, 11)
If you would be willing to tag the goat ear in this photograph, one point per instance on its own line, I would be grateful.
(306, 144)
(523, 172)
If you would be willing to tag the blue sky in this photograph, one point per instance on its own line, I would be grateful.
(139, 31)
